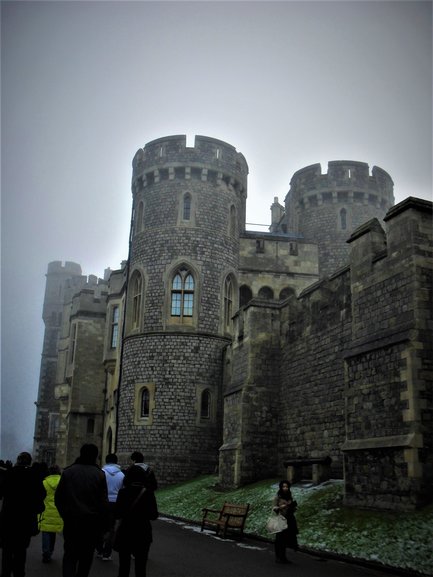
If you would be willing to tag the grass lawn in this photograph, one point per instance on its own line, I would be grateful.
(403, 540)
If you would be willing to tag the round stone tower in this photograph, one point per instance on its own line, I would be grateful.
(188, 213)
(326, 208)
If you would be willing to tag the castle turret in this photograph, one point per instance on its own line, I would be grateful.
(188, 213)
(80, 378)
(48, 410)
(327, 208)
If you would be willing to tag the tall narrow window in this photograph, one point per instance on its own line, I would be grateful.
(232, 223)
(205, 405)
(182, 294)
(114, 326)
(245, 295)
(145, 403)
(73, 343)
(140, 213)
(53, 425)
(343, 219)
(187, 207)
(136, 300)
(109, 440)
(228, 302)
(90, 426)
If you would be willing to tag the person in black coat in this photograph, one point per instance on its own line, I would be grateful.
(136, 507)
(23, 496)
(286, 506)
(81, 498)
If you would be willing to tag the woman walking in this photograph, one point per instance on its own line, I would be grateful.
(23, 499)
(285, 506)
(135, 508)
(50, 521)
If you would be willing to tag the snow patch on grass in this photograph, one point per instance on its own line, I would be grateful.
(403, 540)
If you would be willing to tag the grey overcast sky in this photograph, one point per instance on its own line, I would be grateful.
(85, 84)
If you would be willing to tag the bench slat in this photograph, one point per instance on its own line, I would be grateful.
(230, 516)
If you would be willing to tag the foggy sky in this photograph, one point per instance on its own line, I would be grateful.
(85, 84)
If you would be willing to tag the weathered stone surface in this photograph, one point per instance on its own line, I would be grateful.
(309, 341)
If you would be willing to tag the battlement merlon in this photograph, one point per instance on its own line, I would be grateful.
(342, 174)
(171, 152)
(69, 268)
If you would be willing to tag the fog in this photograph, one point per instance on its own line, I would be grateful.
(85, 84)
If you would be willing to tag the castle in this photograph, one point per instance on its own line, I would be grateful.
(214, 348)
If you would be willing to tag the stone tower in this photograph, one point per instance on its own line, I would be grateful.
(47, 415)
(182, 291)
(80, 378)
(327, 208)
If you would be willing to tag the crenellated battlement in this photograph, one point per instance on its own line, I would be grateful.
(69, 267)
(346, 181)
(169, 158)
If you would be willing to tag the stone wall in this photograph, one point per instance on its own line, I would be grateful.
(251, 401)
(175, 440)
(389, 390)
(349, 363)
(316, 330)
(281, 262)
(80, 380)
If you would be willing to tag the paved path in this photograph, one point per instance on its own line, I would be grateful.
(180, 550)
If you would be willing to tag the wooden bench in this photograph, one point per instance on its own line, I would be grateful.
(321, 469)
(231, 516)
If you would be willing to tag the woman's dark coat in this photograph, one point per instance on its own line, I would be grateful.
(23, 499)
(135, 527)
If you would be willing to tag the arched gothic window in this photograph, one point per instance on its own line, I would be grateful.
(182, 294)
(205, 404)
(228, 302)
(144, 403)
(187, 207)
(285, 293)
(266, 293)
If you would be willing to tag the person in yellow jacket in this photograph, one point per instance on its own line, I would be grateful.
(50, 522)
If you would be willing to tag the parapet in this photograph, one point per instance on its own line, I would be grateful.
(78, 284)
(169, 157)
(346, 180)
(56, 266)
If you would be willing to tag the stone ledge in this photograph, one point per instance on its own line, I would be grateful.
(413, 440)
(380, 340)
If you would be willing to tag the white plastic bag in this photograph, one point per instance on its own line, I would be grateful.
(276, 523)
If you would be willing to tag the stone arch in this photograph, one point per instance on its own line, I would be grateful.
(265, 292)
(286, 292)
